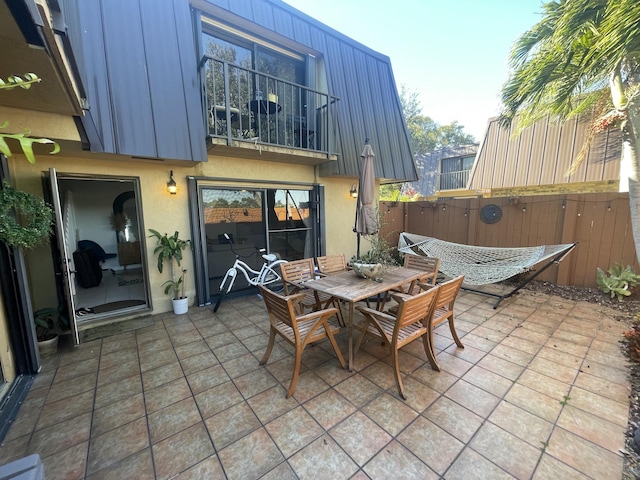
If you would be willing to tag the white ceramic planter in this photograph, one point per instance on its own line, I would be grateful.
(180, 305)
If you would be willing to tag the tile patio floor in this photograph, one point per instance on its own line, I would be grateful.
(540, 391)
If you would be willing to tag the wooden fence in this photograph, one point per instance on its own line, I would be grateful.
(600, 223)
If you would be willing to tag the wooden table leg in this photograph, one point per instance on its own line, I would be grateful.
(350, 330)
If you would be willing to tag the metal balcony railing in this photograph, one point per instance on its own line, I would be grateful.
(453, 180)
(246, 105)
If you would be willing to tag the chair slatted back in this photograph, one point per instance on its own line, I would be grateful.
(416, 308)
(425, 264)
(297, 271)
(279, 308)
(448, 293)
(331, 264)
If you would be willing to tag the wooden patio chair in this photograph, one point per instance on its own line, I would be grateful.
(298, 330)
(294, 274)
(411, 322)
(331, 264)
(429, 265)
(442, 312)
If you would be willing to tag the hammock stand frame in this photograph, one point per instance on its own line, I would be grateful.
(557, 258)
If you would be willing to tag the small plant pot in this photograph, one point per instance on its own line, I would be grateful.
(180, 305)
(48, 347)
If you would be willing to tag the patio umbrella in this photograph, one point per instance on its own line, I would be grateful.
(366, 220)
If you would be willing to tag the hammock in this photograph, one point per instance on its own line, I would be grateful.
(483, 265)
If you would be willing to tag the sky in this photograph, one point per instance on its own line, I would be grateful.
(453, 53)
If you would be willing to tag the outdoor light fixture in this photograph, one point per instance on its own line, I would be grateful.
(609, 208)
(563, 206)
(524, 209)
(354, 191)
(172, 188)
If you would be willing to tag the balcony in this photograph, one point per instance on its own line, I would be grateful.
(246, 108)
(453, 180)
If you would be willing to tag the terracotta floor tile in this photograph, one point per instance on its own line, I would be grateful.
(591, 427)
(471, 464)
(360, 437)
(209, 377)
(62, 410)
(453, 418)
(216, 399)
(239, 366)
(543, 406)
(559, 357)
(293, 430)
(172, 419)
(271, 403)
(500, 366)
(505, 450)
(454, 365)
(554, 370)
(117, 444)
(181, 451)
(161, 375)
(209, 468)
(139, 465)
(197, 362)
(488, 381)
(438, 381)
(522, 424)
(255, 382)
(603, 387)
(390, 413)
(329, 408)
(473, 398)
(477, 341)
(512, 355)
(600, 406)
(584, 456)
(358, 390)
(396, 458)
(166, 394)
(551, 468)
(69, 463)
(118, 372)
(544, 384)
(431, 444)
(119, 357)
(232, 424)
(120, 390)
(283, 472)
(322, 459)
(521, 344)
(309, 385)
(419, 396)
(117, 414)
(61, 436)
(259, 448)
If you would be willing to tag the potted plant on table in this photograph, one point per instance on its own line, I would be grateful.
(170, 248)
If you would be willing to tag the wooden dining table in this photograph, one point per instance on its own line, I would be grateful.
(351, 288)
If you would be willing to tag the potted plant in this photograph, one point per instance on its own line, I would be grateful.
(170, 248)
(49, 323)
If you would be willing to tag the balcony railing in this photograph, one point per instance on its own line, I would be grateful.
(453, 180)
(246, 105)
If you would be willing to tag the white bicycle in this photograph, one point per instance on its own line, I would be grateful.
(268, 273)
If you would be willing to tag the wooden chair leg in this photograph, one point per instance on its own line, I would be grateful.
(332, 340)
(427, 340)
(267, 354)
(296, 372)
(454, 334)
(396, 371)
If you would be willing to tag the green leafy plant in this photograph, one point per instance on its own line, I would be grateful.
(170, 248)
(26, 142)
(25, 220)
(618, 281)
(50, 322)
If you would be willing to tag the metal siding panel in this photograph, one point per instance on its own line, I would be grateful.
(128, 78)
(89, 43)
(165, 80)
(191, 82)
(550, 159)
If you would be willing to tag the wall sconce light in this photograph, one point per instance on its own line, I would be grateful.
(609, 208)
(524, 208)
(422, 211)
(172, 188)
(466, 213)
(444, 208)
(564, 205)
(354, 191)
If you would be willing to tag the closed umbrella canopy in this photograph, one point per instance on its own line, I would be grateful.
(367, 223)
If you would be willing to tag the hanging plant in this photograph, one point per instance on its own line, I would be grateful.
(25, 220)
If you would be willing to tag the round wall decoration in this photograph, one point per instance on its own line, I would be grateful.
(34, 218)
(491, 213)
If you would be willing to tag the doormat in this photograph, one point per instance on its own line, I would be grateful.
(108, 307)
(115, 328)
(126, 278)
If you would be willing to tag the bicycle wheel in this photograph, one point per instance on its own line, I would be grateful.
(231, 277)
(271, 277)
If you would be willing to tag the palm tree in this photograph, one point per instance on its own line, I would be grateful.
(583, 56)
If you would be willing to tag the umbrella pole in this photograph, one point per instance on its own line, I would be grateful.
(355, 225)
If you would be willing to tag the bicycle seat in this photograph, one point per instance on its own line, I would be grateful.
(269, 257)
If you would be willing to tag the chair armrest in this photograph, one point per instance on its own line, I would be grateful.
(317, 314)
(296, 298)
(375, 313)
(425, 286)
(399, 296)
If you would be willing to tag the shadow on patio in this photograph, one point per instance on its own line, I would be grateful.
(540, 391)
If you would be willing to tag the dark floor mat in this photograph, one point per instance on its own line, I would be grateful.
(108, 307)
